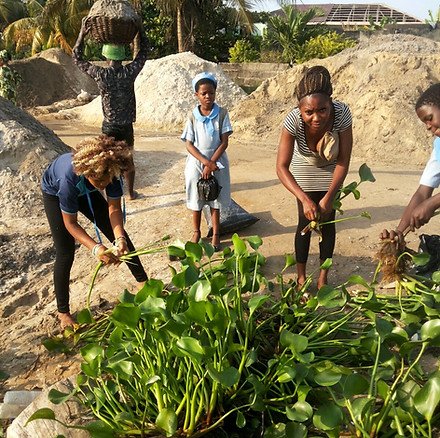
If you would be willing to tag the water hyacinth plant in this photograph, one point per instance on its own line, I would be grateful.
(223, 352)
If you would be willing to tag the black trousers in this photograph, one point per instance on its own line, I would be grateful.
(119, 132)
(65, 243)
(302, 243)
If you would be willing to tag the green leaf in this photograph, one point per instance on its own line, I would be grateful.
(41, 414)
(296, 343)
(357, 279)
(254, 241)
(301, 411)
(286, 374)
(126, 315)
(328, 376)
(200, 290)
(420, 259)
(152, 288)
(427, 399)
(430, 330)
(383, 327)
(91, 351)
(127, 297)
(354, 384)
(290, 261)
(167, 421)
(55, 345)
(296, 430)
(360, 407)
(85, 317)
(328, 417)
(99, 429)
(366, 174)
(327, 264)
(194, 250)
(227, 377)
(58, 397)
(239, 245)
(187, 277)
(176, 251)
(329, 297)
(191, 347)
(240, 420)
(256, 302)
(436, 277)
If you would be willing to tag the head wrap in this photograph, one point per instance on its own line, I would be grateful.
(115, 52)
(204, 75)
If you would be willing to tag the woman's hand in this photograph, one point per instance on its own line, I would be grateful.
(121, 245)
(106, 256)
(310, 209)
(208, 169)
(325, 206)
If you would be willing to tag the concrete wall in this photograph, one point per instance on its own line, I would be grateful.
(250, 75)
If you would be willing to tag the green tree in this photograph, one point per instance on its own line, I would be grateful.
(434, 18)
(10, 11)
(52, 23)
(291, 31)
(188, 16)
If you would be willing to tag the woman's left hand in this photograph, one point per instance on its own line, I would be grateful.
(121, 245)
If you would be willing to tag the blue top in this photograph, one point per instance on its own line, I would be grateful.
(431, 174)
(59, 179)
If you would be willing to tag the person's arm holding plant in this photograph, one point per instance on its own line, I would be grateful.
(117, 223)
(341, 170)
(284, 158)
(79, 234)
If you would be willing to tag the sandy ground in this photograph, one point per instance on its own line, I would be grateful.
(28, 316)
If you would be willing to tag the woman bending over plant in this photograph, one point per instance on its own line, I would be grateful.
(72, 184)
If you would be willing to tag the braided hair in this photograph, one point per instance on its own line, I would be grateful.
(316, 80)
(431, 96)
(100, 157)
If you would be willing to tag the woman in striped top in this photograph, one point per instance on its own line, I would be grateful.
(313, 180)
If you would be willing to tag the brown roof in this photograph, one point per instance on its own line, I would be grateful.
(354, 14)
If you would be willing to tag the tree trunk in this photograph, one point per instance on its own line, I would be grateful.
(181, 46)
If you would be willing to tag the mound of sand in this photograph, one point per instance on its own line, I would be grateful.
(49, 77)
(164, 95)
(26, 148)
(380, 79)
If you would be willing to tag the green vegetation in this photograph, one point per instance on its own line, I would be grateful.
(221, 351)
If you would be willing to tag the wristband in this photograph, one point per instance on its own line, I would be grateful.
(95, 249)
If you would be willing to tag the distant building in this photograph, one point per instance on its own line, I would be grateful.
(356, 17)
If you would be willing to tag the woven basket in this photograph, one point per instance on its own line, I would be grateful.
(112, 30)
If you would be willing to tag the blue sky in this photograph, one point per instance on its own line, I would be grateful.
(416, 8)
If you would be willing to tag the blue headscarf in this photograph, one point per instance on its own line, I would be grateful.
(204, 75)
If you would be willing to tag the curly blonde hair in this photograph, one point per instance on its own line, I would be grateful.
(101, 156)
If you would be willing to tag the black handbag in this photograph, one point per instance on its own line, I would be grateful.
(208, 189)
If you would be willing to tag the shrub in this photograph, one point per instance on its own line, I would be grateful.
(325, 45)
(244, 51)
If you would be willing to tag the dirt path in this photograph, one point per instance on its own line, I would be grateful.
(28, 312)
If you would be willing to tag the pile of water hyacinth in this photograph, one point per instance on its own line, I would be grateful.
(222, 351)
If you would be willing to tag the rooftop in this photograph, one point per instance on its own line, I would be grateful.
(355, 14)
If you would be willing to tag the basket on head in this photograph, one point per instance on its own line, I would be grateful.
(113, 21)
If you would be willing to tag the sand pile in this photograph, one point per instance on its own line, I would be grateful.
(164, 95)
(380, 79)
(26, 148)
(49, 77)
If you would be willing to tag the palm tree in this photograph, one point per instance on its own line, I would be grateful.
(291, 31)
(187, 13)
(50, 23)
(10, 11)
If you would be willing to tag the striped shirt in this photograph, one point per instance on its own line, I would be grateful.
(306, 173)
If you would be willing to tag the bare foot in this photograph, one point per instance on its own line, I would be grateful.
(66, 320)
(133, 196)
(215, 242)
